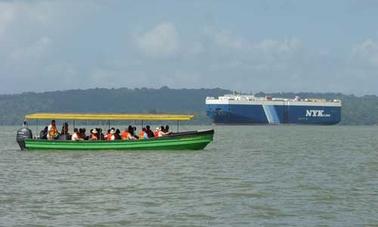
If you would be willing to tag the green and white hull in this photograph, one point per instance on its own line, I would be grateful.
(193, 140)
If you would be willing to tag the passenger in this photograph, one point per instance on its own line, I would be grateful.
(111, 136)
(166, 130)
(162, 132)
(94, 135)
(117, 134)
(100, 134)
(52, 131)
(149, 132)
(82, 134)
(76, 136)
(143, 134)
(156, 132)
(43, 133)
(64, 135)
(135, 132)
(131, 133)
(64, 129)
(107, 135)
(125, 134)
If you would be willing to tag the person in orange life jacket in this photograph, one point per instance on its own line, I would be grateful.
(156, 132)
(52, 131)
(76, 136)
(143, 134)
(112, 134)
(94, 135)
(125, 134)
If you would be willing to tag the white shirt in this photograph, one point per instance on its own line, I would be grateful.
(48, 132)
(161, 133)
(75, 137)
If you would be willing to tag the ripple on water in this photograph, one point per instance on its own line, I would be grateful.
(268, 176)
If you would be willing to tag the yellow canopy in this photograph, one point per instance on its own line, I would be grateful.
(112, 117)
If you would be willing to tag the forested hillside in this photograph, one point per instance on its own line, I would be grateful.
(355, 111)
(100, 100)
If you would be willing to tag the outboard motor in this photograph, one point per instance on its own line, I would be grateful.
(23, 134)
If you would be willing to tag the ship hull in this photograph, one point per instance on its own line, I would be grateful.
(273, 114)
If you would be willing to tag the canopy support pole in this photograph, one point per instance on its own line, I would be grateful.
(142, 123)
(178, 126)
(36, 128)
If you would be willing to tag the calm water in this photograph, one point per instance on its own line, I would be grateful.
(249, 176)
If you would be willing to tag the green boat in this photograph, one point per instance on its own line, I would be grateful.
(188, 140)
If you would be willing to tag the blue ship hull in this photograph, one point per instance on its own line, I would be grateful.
(273, 114)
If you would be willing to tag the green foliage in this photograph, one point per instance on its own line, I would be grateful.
(99, 100)
(356, 110)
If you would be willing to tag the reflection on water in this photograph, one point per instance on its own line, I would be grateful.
(257, 175)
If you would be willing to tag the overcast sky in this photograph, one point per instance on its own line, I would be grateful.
(250, 46)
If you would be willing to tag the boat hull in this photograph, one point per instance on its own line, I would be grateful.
(273, 114)
(194, 140)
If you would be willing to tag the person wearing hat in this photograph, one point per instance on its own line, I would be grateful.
(94, 135)
(156, 132)
(111, 135)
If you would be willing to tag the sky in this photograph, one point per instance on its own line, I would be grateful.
(243, 45)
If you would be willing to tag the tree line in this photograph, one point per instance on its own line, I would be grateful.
(355, 110)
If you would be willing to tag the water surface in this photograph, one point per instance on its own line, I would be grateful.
(249, 176)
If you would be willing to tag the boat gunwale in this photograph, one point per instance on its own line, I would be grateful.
(174, 136)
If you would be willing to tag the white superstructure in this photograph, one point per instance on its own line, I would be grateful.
(231, 99)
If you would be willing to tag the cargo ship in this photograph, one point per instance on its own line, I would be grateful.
(248, 109)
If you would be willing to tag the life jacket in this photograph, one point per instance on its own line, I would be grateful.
(156, 133)
(94, 137)
(53, 131)
(109, 136)
(141, 135)
(124, 135)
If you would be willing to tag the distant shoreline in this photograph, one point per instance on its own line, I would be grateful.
(356, 110)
